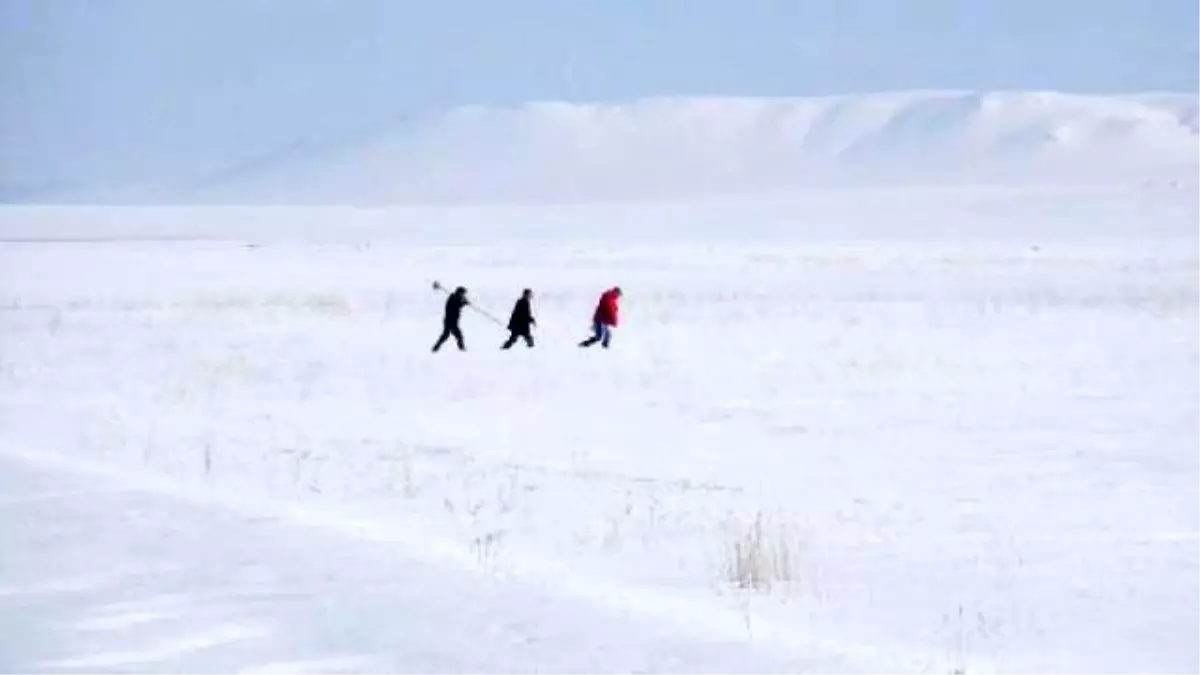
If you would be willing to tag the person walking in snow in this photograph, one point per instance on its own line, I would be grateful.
(604, 319)
(454, 307)
(521, 321)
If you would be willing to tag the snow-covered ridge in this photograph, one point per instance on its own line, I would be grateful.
(677, 147)
(687, 147)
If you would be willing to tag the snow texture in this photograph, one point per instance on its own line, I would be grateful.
(942, 430)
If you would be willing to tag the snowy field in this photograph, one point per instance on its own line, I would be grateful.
(815, 445)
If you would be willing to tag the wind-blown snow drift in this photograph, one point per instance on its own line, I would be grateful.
(685, 147)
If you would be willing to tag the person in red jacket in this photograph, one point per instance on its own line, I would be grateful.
(605, 318)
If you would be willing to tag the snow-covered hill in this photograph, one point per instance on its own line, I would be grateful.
(685, 147)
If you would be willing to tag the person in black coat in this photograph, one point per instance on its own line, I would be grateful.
(454, 308)
(521, 321)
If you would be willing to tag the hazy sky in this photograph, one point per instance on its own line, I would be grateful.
(121, 88)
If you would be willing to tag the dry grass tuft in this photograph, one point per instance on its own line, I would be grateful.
(759, 556)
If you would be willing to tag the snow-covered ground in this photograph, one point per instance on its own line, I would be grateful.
(107, 572)
(929, 430)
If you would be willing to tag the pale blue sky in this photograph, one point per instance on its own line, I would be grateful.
(125, 88)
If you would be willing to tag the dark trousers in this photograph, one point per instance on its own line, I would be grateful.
(601, 333)
(514, 334)
(448, 330)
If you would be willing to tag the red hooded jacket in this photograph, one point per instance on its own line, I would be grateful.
(607, 310)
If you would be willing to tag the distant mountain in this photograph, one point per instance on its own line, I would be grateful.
(682, 147)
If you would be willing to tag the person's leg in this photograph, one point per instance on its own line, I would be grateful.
(528, 339)
(512, 338)
(606, 336)
(458, 337)
(442, 339)
(597, 334)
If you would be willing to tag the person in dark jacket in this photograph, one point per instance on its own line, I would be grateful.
(521, 321)
(454, 308)
(604, 319)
